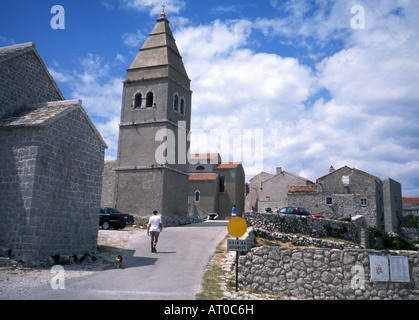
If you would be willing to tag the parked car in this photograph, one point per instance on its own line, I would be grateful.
(299, 211)
(212, 216)
(295, 210)
(112, 218)
(316, 215)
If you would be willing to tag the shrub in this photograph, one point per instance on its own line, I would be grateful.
(390, 241)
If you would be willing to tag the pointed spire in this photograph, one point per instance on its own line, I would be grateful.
(158, 51)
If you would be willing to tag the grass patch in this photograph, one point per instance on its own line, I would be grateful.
(211, 289)
(211, 281)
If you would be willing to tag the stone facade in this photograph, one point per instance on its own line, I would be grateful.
(344, 193)
(354, 231)
(51, 180)
(271, 191)
(324, 274)
(108, 185)
(215, 186)
(51, 162)
(24, 79)
(392, 205)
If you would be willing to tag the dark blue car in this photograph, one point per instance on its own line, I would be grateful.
(112, 218)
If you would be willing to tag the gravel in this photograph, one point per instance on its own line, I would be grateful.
(16, 278)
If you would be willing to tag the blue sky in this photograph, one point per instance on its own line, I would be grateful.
(302, 87)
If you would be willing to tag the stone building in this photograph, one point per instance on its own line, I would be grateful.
(392, 205)
(271, 191)
(215, 186)
(410, 206)
(151, 168)
(343, 193)
(51, 162)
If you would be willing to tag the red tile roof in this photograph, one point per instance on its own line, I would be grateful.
(228, 165)
(296, 189)
(410, 199)
(202, 176)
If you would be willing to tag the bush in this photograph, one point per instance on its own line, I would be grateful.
(390, 241)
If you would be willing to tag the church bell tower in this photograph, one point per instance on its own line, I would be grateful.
(152, 170)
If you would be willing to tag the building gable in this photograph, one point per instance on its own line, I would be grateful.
(24, 79)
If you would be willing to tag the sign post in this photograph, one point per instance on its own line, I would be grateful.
(237, 227)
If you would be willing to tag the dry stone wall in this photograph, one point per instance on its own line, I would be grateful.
(314, 227)
(324, 274)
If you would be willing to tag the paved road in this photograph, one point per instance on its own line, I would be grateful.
(174, 273)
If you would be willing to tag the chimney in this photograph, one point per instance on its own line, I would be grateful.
(278, 170)
(331, 169)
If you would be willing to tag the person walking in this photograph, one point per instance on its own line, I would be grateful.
(155, 226)
(234, 211)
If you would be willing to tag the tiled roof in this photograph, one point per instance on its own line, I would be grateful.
(43, 114)
(296, 189)
(410, 199)
(228, 165)
(40, 114)
(204, 156)
(354, 169)
(202, 176)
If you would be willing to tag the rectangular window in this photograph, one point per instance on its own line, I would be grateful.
(364, 202)
(328, 200)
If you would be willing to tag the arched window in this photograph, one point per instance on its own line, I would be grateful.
(138, 100)
(182, 106)
(176, 103)
(150, 100)
(197, 196)
(200, 168)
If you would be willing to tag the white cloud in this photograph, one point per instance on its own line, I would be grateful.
(134, 40)
(100, 93)
(154, 6)
(369, 123)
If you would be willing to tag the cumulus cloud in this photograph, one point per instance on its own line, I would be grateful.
(92, 82)
(355, 104)
(367, 121)
(153, 6)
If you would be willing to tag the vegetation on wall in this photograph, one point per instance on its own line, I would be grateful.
(390, 241)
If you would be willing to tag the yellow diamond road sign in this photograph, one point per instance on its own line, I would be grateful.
(237, 227)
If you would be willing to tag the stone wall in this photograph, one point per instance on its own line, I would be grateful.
(24, 79)
(108, 185)
(50, 187)
(314, 227)
(309, 273)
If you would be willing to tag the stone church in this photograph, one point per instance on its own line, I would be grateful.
(151, 170)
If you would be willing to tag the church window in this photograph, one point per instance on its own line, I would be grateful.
(176, 103)
(150, 100)
(182, 106)
(138, 101)
(197, 196)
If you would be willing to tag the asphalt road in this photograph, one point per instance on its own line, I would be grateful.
(173, 273)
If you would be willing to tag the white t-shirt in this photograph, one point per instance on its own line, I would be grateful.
(154, 223)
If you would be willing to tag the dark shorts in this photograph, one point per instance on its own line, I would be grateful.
(154, 234)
